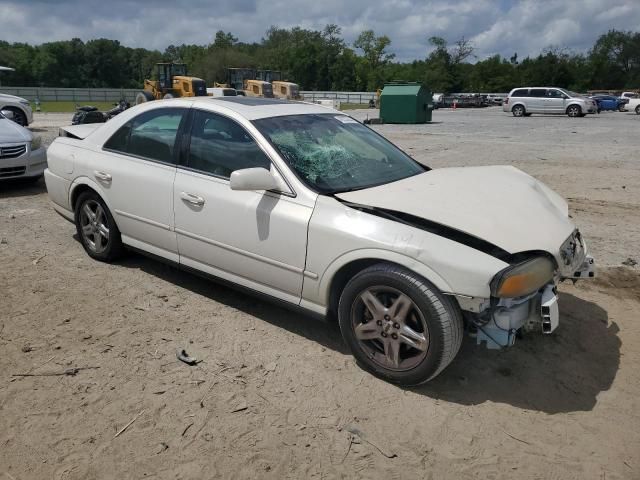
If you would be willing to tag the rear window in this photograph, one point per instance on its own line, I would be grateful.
(521, 92)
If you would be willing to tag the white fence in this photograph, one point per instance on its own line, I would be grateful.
(115, 94)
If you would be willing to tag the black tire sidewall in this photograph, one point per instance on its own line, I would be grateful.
(572, 107)
(431, 363)
(114, 244)
(520, 108)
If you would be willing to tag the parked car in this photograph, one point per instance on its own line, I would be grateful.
(634, 101)
(21, 152)
(21, 108)
(610, 102)
(308, 206)
(525, 101)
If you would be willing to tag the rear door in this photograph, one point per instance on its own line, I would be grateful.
(254, 238)
(136, 169)
(555, 101)
(536, 101)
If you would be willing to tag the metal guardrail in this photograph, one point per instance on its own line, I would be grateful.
(344, 97)
(45, 94)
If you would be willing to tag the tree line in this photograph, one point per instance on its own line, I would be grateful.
(322, 60)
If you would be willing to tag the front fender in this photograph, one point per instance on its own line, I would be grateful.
(322, 286)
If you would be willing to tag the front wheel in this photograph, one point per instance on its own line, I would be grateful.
(638, 110)
(96, 228)
(398, 325)
(144, 96)
(574, 111)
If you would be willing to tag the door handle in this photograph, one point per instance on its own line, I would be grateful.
(192, 199)
(105, 177)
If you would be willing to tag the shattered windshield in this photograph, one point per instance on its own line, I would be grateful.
(335, 153)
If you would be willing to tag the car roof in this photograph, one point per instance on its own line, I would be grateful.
(254, 108)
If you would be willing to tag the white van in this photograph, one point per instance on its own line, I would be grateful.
(522, 102)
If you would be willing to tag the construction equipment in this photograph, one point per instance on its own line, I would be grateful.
(286, 90)
(172, 81)
(258, 88)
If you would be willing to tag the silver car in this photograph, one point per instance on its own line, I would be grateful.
(21, 152)
(522, 102)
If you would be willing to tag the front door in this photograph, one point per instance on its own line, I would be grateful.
(254, 238)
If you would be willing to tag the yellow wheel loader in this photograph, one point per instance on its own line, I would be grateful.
(172, 82)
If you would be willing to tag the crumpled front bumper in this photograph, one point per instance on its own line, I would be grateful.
(497, 327)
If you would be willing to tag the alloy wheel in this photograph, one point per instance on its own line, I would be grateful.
(390, 328)
(94, 226)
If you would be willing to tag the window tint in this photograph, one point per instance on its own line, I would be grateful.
(538, 92)
(150, 135)
(554, 93)
(522, 92)
(219, 146)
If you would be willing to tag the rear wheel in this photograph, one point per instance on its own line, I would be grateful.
(638, 110)
(398, 325)
(518, 111)
(96, 228)
(574, 111)
(143, 97)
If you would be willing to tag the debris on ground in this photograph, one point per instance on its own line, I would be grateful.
(630, 262)
(183, 356)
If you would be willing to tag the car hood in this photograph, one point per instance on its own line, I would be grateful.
(11, 132)
(499, 204)
(11, 98)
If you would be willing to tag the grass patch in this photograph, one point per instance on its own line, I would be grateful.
(64, 107)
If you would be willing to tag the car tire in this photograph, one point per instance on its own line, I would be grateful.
(574, 111)
(18, 116)
(144, 96)
(621, 108)
(96, 228)
(398, 325)
(518, 111)
(638, 110)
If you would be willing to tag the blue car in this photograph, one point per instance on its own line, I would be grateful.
(610, 102)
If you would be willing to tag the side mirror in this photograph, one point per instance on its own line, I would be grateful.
(253, 179)
(8, 114)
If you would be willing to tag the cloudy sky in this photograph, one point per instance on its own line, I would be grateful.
(494, 26)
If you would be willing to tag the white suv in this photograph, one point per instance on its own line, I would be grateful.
(522, 102)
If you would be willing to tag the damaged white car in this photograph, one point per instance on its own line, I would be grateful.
(308, 206)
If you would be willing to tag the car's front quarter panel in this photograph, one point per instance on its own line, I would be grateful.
(339, 235)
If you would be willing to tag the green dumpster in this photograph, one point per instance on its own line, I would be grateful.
(405, 102)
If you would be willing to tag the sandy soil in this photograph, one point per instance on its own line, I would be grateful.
(276, 394)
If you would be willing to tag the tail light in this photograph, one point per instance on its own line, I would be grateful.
(506, 101)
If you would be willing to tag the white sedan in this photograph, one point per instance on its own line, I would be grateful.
(306, 205)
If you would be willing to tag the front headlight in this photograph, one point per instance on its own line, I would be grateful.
(24, 102)
(523, 278)
(36, 143)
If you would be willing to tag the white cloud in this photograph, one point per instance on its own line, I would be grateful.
(500, 26)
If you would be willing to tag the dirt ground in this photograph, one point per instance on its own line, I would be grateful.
(276, 394)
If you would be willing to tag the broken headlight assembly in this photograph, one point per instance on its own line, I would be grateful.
(523, 278)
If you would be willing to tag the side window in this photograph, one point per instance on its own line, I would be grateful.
(523, 92)
(219, 146)
(538, 92)
(150, 135)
